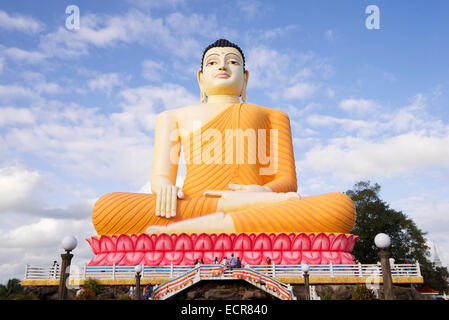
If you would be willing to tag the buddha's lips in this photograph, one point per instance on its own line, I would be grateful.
(222, 76)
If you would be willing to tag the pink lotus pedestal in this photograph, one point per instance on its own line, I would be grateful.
(183, 249)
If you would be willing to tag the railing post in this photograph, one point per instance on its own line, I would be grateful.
(331, 269)
(360, 269)
(171, 270)
(113, 271)
(418, 269)
(274, 270)
(143, 269)
(85, 271)
(26, 271)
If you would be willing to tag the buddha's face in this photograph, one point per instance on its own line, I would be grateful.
(222, 72)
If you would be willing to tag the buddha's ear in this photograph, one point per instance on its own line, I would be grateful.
(245, 83)
(200, 83)
(199, 76)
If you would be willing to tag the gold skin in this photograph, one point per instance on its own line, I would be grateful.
(222, 81)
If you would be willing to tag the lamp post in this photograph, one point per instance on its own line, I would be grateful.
(305, 272)
(383, 241)
(138, 270)
(68, 244)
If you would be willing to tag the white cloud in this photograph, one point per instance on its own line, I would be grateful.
(16, 186)
(286, 76)
(100, 31)
(12, 116)
(39, 243)
(279, 31)
(266, 67)
(45, 231)
(358, 106)
(330, 93)
(156, 3)
(151, 70)
(171, 95)
(381, 122)
(355, 158)
(300, 91)
(40, 84)
(431, 216)
(11, 92)
(88, 143)
(2, 63)
(107, 82)
(24, 56)
(182, 24)
(20, 23)
(105, 31)
(361, 127)
(251, 8)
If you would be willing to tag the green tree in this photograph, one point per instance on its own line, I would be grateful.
(94, 285)
(12, 287)
(375, 216)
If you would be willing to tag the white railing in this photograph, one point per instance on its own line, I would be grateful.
(173, 271)
(38, 273)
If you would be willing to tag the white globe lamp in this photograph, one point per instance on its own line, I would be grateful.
(305, 267)
(382, 241)
(69, 243)
(138, 269)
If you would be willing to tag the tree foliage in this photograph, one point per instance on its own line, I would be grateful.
(363, 293)
(94, 285)
(13, 287)
(375, 216)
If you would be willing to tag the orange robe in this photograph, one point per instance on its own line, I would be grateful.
(231, 161)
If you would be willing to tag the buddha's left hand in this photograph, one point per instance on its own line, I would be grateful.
(238, 187)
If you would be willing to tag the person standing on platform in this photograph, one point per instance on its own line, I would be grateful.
(233, 261)
(239, 263)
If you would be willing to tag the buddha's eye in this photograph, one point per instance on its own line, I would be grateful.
(234, 62)
(210, 63)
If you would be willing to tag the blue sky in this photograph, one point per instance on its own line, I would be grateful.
(77, 107)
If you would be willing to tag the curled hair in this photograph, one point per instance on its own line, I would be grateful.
(223, 43)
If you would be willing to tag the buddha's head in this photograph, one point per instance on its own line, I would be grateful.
(223, 70)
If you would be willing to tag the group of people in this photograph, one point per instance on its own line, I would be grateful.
(147, 291)
(54, 270)
(232, 263)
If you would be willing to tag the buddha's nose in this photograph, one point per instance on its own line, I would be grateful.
(222, 65)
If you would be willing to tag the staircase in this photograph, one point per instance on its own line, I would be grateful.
(217, 272)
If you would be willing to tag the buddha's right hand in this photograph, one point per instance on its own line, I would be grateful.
(166, 200)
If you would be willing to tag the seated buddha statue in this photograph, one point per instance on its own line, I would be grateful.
(240, 168)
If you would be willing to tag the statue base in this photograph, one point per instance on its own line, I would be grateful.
(184, 249)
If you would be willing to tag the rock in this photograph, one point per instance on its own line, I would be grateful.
(221, 295)
(255, 295)
(106, 295)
